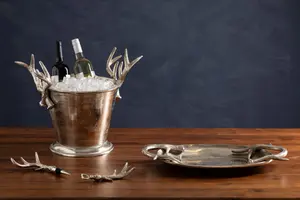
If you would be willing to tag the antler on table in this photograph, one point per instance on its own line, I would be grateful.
(42, 80)
(125, 171)
(38, 165)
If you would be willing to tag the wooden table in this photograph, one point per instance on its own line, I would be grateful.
(151, 179)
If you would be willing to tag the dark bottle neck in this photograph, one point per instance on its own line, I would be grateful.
(59, 54)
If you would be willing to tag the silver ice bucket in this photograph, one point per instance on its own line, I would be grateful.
(81, 119)
(81, 122)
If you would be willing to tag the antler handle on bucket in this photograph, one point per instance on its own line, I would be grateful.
(42, 80)
(120, 69)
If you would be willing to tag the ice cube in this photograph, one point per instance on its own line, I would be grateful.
(83, 84)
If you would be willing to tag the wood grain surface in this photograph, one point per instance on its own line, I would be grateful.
(150, 179)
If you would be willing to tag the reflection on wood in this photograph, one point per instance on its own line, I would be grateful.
(150, 178)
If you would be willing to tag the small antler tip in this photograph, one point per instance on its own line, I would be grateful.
(139, 58)
(85, 176)
(132, 168)
(19, 62)
(126, 165)
(126, 52)
(37, 159)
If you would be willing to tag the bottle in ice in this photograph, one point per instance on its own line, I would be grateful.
(83, 67)
(59, 69)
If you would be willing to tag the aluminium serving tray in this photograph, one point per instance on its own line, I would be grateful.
(215, 155)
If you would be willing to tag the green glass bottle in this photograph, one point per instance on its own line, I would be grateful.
(83, 67)
(59, 69)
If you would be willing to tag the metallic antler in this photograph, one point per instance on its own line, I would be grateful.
(128, 65)
(39, 165)
(125, 171)
(111, 61)
(119, 72)
(251, 149)
(161, 155)
(42, 80)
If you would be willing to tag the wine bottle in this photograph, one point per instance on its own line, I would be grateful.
(59, 69)
(83, 67)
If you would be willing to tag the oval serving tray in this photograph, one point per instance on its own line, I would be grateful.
(215, 155)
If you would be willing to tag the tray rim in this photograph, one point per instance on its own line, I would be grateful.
(229, 146)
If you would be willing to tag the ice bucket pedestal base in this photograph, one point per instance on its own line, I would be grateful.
(81, 152)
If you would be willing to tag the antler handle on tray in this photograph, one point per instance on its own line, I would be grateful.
(163, 152)
(251, 149)
(42, 80)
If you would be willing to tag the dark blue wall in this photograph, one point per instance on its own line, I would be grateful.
(207, 63)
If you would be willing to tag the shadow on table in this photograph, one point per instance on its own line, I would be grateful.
(166, 170)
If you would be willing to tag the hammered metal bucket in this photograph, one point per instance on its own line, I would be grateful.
(81, 120)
